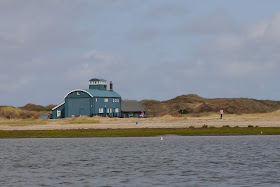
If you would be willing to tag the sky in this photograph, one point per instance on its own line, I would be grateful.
(150, 49)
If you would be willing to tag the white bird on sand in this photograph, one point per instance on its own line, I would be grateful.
(161, 138)
(261, 132)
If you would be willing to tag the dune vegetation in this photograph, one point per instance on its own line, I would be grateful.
(182, 106)
(194, 104)
(81, 120)
(9, 112)
(33, 107)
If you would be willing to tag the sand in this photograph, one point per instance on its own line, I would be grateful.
(211, 120)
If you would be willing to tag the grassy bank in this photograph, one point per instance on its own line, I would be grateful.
(138, 132)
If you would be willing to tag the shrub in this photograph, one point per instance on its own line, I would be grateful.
(226, 126)
(191, 127)
(250, 126)
(183, 111)
(205, 126)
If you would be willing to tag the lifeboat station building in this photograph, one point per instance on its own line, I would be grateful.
(96, 100)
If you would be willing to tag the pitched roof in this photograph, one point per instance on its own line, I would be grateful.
(58, 106)
(131, 106)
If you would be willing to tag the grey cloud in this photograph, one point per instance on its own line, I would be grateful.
(144, 34)
(244, 63)
(164, 10)
(218, 22)
(241, 61)
(43, 55)
(32, 35)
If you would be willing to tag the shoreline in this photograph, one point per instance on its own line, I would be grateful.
(204, 124)
(144, 132)
(211, 121)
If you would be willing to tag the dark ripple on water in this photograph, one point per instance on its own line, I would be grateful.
(175, 161)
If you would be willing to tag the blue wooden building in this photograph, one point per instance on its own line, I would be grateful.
(96, 100)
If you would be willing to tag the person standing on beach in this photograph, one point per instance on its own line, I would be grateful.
(221, 112)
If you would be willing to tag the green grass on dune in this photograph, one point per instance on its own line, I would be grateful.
(137, 132)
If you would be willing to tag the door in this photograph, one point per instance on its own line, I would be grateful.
(78, 107)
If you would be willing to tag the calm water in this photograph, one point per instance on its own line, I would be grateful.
(175, 161)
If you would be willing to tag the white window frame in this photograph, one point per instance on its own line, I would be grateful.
(101, 111)
(116, 110)
(78, 93)
(58, 113)
(106, 100)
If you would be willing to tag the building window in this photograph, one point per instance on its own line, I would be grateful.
(108, 110)
(78, 93)
(115, 100)
(106, 100)
(58, 113)
(95, 99)
(116, 110)
(100, 110)
(111, 111)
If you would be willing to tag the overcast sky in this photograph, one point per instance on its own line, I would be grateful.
(150, 49)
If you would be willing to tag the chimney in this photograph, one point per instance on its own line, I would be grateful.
(111, 86)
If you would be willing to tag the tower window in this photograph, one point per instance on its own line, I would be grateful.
(106, 100)
(78, 93)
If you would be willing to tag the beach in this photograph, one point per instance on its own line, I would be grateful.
(187, 121)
